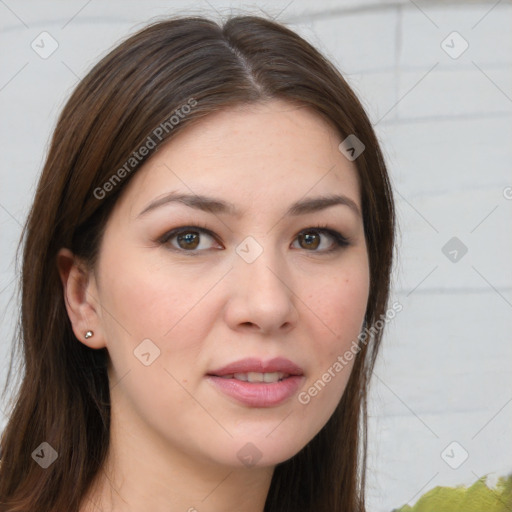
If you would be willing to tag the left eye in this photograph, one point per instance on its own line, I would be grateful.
(194, 239)
(315, 240)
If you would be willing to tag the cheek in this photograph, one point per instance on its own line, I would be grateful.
(340, 305)
(338, 309)
(173, 310)
(138, 303)
(147, 301)
(141, 304)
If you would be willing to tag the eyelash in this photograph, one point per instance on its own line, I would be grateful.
(339, 241)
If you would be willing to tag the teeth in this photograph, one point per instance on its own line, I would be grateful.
(260, 377)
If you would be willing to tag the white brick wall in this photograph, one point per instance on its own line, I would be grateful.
(446, 126)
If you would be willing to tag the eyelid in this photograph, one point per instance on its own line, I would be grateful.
(197, 227)
(340, 241)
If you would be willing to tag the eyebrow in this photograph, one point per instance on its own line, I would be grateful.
(218, 206)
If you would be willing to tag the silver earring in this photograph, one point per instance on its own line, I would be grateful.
(88, 334)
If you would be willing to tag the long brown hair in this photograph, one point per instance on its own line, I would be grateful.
(64, 397)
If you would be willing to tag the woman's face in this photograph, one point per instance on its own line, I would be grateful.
(221, 248)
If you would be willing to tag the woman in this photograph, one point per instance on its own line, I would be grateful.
(207, 255)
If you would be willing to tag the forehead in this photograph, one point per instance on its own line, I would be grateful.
(266, 153)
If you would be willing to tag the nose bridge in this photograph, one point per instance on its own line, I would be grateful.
(260, 263)
(262, 284)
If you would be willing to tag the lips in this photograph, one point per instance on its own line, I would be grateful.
(254, 365)
(242, 381)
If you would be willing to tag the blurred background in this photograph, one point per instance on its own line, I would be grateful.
(436, 81)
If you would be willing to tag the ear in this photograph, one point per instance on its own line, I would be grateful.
(81, 298)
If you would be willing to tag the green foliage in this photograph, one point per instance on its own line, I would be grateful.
(477, 498)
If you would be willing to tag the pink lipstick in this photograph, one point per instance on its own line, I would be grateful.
(258, 383)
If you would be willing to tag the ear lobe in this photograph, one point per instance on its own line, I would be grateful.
(80, 297)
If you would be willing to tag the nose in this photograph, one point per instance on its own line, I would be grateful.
(261, 298)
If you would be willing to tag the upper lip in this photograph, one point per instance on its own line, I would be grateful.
(251, 364)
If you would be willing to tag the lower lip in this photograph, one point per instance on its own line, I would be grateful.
(259, 394)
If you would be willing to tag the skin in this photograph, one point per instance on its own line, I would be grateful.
(174, 436)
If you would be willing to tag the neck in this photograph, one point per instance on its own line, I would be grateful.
(142, 473)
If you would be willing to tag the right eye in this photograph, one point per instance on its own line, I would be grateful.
(189, 239)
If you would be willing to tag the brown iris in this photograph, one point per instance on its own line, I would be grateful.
(188, 240)
(310, 239)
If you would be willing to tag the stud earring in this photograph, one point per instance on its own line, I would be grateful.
(88, 334)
